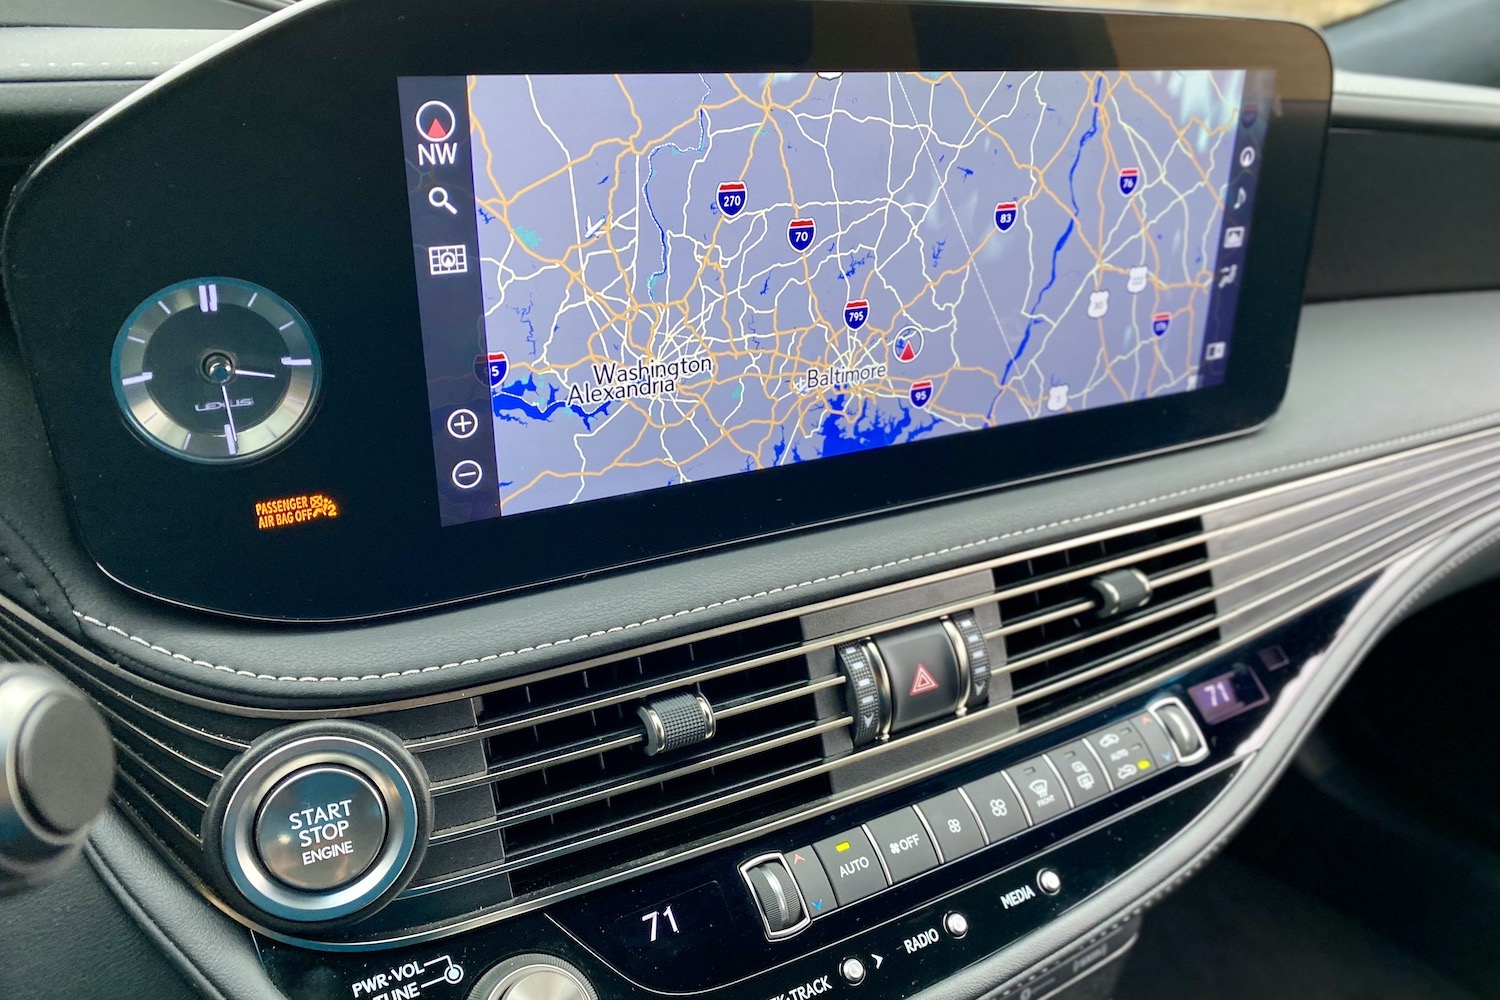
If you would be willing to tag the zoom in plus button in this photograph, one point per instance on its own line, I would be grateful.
(467, 474)
(462, 424)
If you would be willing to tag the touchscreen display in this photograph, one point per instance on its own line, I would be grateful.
(629, 282)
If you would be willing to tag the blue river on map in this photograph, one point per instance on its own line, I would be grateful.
(1062, 240)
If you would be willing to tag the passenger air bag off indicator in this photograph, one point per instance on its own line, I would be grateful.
(293, 510)
(925, 681)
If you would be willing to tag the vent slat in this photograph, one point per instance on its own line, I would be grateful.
(673, 769)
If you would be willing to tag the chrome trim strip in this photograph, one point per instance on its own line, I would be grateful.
(973, 603)
(553, 806)
(751, 704)
(151, 769)
(1452, 446)
(148, 797)
(1036, 729)
(182, 758)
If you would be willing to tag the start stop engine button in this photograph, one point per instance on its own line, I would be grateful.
(320, 828)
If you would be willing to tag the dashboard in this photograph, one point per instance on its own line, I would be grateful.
(874, 491)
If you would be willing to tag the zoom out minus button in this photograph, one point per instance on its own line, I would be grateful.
(467, 474)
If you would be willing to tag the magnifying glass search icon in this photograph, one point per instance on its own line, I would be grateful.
(438, 198)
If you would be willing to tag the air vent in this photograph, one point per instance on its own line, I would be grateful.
(1062, 651)
(568, 767)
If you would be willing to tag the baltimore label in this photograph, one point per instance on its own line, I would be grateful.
(830, 378)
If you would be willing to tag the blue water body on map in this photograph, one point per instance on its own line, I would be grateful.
(523, 313)
(855, 263)
(646, 187)
(779, 449)
(1062, 240)
(510, 400)
(871, 429)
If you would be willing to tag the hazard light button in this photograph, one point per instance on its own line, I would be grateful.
(923, 671)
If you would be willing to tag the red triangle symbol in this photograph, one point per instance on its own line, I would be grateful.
(907, 353)
(923, 682)
(437, 131)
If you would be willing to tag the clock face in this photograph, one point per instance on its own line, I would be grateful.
(216, 370)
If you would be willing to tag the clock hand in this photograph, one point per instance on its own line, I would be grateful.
(229, 431)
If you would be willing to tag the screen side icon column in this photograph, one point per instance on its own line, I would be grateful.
(1234, 229)
(450, 296)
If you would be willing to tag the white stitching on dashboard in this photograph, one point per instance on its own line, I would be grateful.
(132, 63)
(785, 588)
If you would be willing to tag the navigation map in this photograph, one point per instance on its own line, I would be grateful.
(691, 276)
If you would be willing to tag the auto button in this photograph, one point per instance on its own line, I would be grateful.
(852, 866)
(320, 828)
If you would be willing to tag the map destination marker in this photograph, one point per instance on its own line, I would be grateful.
(907, 345)
(1130, 178)
(1005, 215)
(799, 233)
(921, 393)
(1160, 322)
(499, 365)
(731, 198)
(855, 313)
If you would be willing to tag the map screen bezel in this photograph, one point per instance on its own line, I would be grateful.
(294, 180)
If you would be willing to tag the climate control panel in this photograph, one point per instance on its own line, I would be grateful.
(793, 888)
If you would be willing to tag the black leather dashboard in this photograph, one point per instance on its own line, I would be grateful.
(1357, 392)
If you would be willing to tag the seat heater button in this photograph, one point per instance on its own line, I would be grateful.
(904, 844)
(952, 824)
(923, 671)
(999, 809)
(1080, 772)
(851, 865)
(1043, 795)
(320, 828)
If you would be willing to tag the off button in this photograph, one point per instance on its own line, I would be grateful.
(320, 829)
